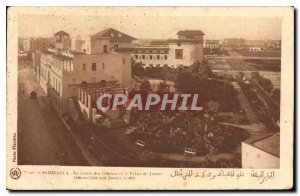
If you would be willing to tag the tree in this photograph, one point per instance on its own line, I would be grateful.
(162, 87)
(146, 86)
(254, 75)
(137, 69)
(241, 76)
(103, 82)
(267, 85)
(206, 70)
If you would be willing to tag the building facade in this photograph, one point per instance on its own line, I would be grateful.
(211, 44)
(60, 69)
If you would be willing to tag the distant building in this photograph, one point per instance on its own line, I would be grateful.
(77, 44)
(20, 44)
(26, 44)
(255, 49)
(60, 70)
(34, 44)
(211, 44)
(262, 153)
(265, 44)
(234, 43)
(255, 43)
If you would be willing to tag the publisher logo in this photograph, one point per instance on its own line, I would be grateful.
(15, 173)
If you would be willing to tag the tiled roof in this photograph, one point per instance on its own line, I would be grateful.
(62, 57)
(113, 35)
(61, 33)
(190, 32)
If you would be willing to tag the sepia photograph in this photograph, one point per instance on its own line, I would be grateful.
(137, 87)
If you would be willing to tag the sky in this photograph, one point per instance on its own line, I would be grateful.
(151, 26)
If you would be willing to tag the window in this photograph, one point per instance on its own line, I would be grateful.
(166, 65)
(178, 54)
(136, 56)
(83, 66)
(120, 34)
(124, 61)
(166, 57)
(94, 65)
(116, 46)
(104, 48)
(143, 56)
(150, 56)
(103, 66)
(112, 35)
(190, 37)
(157, 65)
(59, 88)
(157, 57)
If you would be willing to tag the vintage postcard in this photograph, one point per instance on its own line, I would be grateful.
(150, 98)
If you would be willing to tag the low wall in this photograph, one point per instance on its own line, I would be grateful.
(84, 110)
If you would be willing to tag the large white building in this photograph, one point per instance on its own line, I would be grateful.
(183, 51)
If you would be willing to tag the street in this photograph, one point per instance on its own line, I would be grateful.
(42, 137)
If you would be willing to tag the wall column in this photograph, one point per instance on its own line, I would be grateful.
(85, 99)
(89, 105)
(79, 94)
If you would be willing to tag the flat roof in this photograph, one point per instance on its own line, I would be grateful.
(269, 143)
(93, 87)
(62, 57)
(185, 40)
